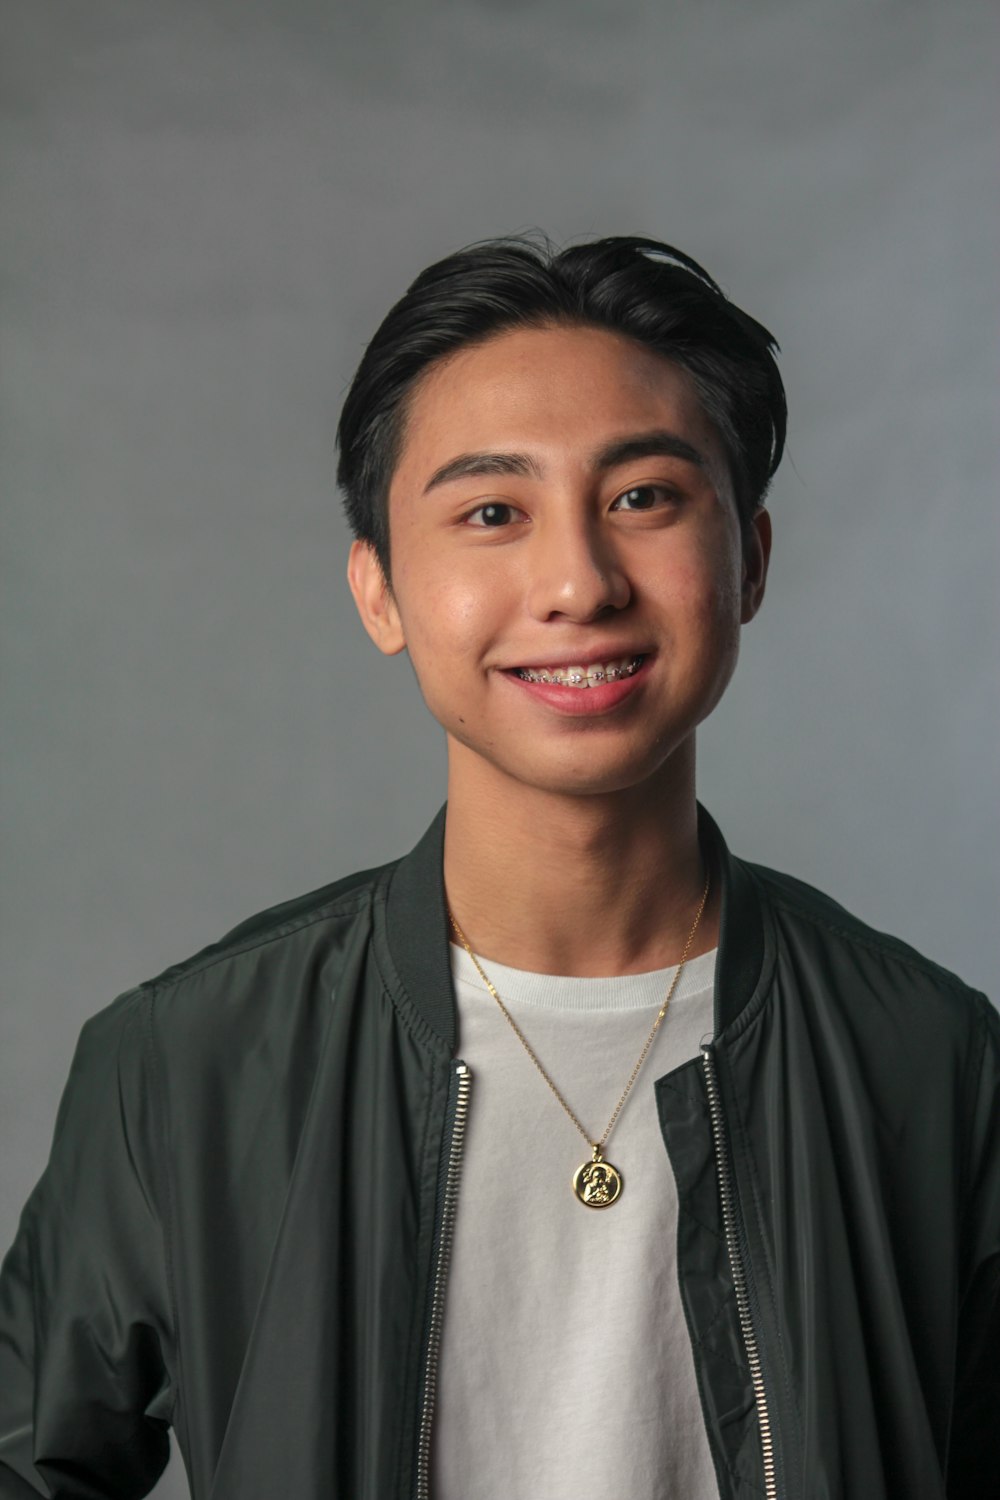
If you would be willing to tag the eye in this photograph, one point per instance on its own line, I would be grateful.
(493, 514)
(644, 497)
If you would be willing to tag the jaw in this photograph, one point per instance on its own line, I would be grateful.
(580, 772)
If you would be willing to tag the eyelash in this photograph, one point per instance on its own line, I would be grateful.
(659, 489)
(491, 505)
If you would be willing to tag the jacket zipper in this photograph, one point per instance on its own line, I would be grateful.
(739, 1273)
(446, 1221)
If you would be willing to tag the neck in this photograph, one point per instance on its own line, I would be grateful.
(578, 885)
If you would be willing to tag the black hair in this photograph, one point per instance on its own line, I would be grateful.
(640, 288)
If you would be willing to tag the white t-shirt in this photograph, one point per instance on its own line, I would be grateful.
(566, 1370)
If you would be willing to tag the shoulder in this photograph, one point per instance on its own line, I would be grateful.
(278, 930)
(839, 953)
(267, 982)
(252, 1005)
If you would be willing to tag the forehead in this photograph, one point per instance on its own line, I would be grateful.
(560, 392)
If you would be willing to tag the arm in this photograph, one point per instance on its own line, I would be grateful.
(974, 1449)
(85, 1323)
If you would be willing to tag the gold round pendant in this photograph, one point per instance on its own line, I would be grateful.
(597, 1183)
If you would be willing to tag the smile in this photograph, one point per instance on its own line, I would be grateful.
(574, 676)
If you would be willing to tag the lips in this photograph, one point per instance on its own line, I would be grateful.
(591, 698)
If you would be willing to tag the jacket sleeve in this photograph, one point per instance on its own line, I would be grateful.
(974, 1448)
(85, 1326)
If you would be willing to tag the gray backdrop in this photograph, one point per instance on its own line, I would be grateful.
(207, 206)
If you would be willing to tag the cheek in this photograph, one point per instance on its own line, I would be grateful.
(726, 601)
(701, 599)
(721, 624)
(720, 562)
(447, 617)
(702, 591)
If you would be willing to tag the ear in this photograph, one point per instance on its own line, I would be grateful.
(756, 556)
(373, 597)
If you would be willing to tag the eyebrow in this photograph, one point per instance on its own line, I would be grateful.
(660, 443)
(483, 463)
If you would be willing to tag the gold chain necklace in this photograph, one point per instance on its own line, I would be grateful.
(596, 1183)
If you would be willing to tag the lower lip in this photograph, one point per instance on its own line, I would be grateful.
(599, 698)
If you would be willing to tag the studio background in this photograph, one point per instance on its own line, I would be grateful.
(208, 206)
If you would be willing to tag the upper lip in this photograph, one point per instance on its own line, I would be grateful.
(580, 655)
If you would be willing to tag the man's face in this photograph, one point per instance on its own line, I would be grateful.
(561, 501)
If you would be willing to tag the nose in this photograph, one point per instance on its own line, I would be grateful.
(574, 573)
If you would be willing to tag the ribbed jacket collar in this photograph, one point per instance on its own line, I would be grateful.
(418, 938)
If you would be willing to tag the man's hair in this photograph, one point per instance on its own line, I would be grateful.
(645, 290)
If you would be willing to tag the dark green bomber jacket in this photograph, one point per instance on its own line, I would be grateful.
(243, 1229)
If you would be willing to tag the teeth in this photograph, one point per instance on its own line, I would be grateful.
(579, 676)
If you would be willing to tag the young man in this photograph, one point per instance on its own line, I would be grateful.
(569, 1157)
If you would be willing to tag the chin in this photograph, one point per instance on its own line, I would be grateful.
(580, 777)
(574, 764)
